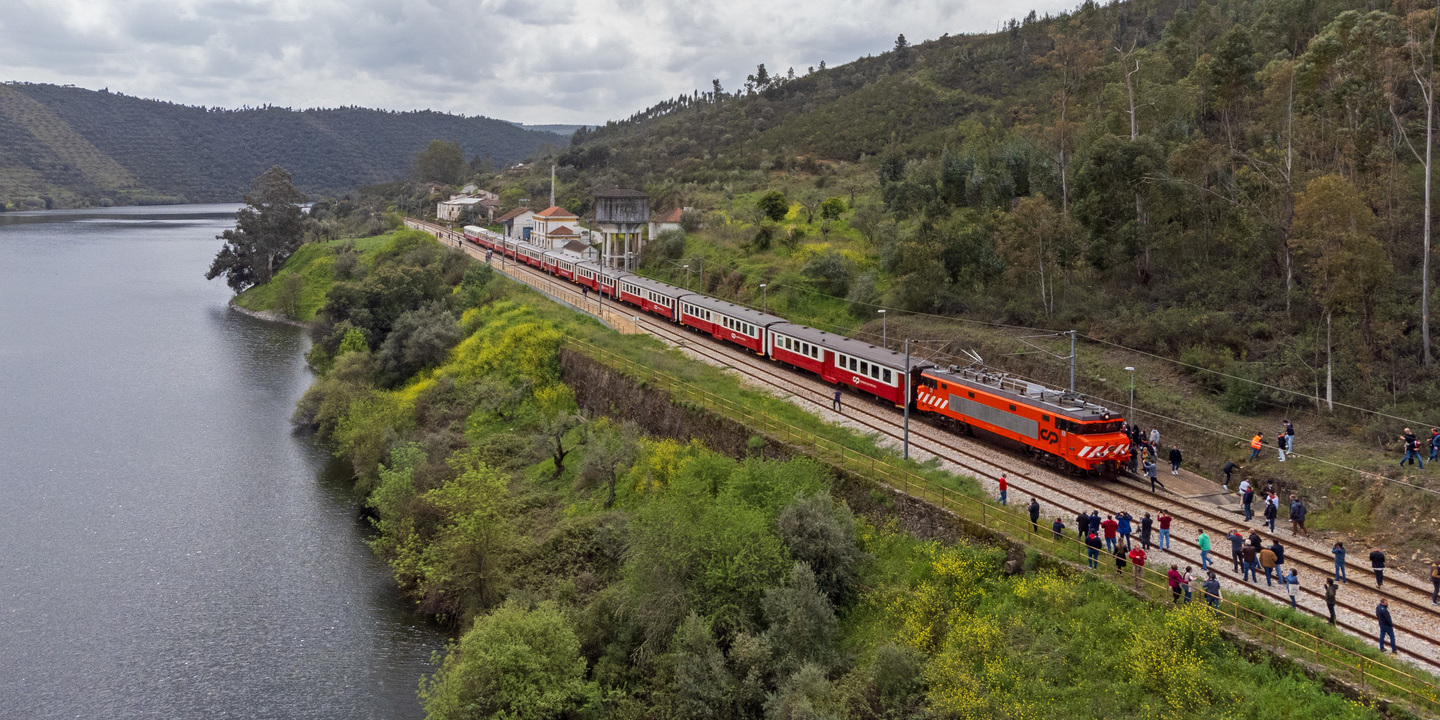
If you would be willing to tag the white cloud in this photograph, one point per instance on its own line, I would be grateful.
(538, 61)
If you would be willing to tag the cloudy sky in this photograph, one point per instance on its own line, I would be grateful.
(534, 61)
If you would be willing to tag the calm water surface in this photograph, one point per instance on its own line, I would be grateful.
(168, 546)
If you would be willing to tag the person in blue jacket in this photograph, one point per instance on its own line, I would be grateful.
(1124, 528)
(1387, 626)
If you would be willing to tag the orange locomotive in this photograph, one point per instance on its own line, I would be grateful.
(1053, 425)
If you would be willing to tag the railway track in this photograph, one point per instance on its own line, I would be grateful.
(1419, 621)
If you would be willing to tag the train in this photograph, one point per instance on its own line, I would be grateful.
(1052, 426)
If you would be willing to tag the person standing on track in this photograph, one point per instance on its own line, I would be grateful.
(1292, 584)
(1146, 524)
(1279, 551)
(1034, 515)
(1377, 563)
(1092, 549)
(1123, 527)
(1004, 484)
(1435, 583)
(1237, 543)
(1057, 528)
(1247, 500)
(1137, 558)
(1175, 459)
(835, 403)
(1153, 473)
(1203, 540)
(1270, 512)
(1339, 552)
(1387, 626)
(1267, 563)
(1250, 563)
(1164, 521)
(1110, 526)
(1330, 589)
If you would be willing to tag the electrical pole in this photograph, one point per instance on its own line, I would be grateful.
(1072, 362)
(552, 186)
(884, 327)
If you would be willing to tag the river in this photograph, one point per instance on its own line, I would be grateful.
(169, 546)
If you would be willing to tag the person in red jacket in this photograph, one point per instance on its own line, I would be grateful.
(1004, 486)
(1137, 558)
(1174, 577)
(1111, 526)
(1164, 521)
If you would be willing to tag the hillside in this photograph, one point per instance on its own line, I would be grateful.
(81, 147)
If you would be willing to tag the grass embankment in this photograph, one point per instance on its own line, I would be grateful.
(595, 572)
(314, 264)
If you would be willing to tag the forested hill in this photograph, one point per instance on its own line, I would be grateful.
(83, 147)
(1232, 181)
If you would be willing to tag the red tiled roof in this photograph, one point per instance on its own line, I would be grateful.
(576, 246)
(562, 230)
(517, 212)
(670, 217)
(555, 211)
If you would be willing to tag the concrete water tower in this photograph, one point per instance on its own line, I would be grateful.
(620, 215)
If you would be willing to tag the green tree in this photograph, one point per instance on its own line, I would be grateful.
(267, 231)
(773, 205)
(833, 208)
(514, 664)
(821, 532)
(441, 162)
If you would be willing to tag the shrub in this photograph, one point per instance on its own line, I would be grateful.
(773, 205)
(821, 533)
(514, 663)
(831, 272)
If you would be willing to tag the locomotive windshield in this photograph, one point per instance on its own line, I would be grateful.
(1095, 428)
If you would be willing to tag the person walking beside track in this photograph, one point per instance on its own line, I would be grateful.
(1212, 591)
(1137, 558)
(1377, 563)
(1387, 626)
(1203, 540)
(1297, 517)
(1339, 552)
(835, 402)
(1154, 474)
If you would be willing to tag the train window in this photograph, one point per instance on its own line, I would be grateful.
(1044, 417)
(927, 381)
(887, 375)
(865, 368)
(971, 394)
(1012, 407)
